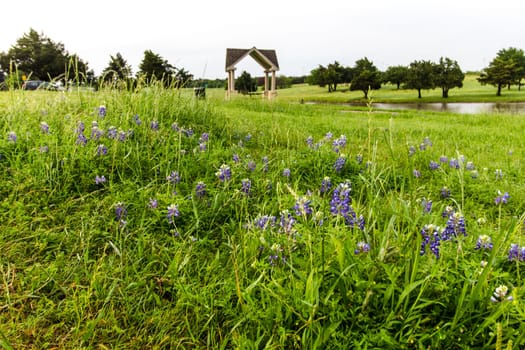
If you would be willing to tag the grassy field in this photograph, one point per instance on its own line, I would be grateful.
(153, 220)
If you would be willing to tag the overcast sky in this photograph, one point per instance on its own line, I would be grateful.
(194, 34)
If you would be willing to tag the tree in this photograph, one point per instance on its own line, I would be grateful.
(117, 69)
(517, 56)
(329, 76)
(155, 68)
(420, 76)
(499, 73)
(245, 83)
(41, 58)
(448, 75)
(396, 75)
(365, 76)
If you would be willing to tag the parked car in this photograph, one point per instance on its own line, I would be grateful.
(39, 85)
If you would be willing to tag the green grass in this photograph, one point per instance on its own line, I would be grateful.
(74, 275)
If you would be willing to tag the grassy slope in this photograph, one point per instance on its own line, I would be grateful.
(71, 277)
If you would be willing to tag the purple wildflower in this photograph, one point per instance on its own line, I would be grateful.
(310, 141)
(251, 165)
(499, 174)
(200, 189)
(427, 141)
(80, 127)
(326, 185)
(112, 132)
(44, 127)
(470, 166)
(359, 158)
(416, 173)
(485, 242)
(443, 159)
(173, 177)
(433, 165)
(100, 179)
(339, 143)
(516, 253)
(120, 211)
(173, 212)
(502, 198)
(303, 206)
(122, 135)
(102, 150)
(81, 140)
(362, 247)
(265, 164)
(264, 222)
(445, 192)
(44, 149)
(455, 226)
(246, 186)
(340, 202)
(286, 172)
(431, 236)
(339, 163)
(427, 205)
(248, 137)
(453, 163)
(11, 137)
(287, 223)
(96, 132)
(136, 119)
(236, 158)
(500, 294)
(422, 147)
(153, 203)
(204, 137)
(102, 111)
(154, 125)
(224, 173)
(411, 151)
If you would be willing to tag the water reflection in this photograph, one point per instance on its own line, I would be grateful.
(456, 107)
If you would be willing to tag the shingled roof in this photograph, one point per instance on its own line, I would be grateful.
(266, 58)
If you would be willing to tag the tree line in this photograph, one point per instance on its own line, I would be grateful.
(506, 69)
(37, 57)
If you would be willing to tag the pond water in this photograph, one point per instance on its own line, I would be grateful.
(456, 107)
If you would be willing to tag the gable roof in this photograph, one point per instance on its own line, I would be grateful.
(265, 58)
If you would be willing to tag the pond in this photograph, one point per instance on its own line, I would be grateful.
(455, 107)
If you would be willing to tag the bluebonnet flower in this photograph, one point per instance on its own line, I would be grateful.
(202, 146)
(310, 141)
(136, 119)
(454, 227)
(44, 127)
(286, 172)
(500, 294)
(175, 127)
(470, 166)
(96, 132)
(443, 159)
(359, 158)
(287, 223)
(427, 141)
(264, 222)
(204, 137)
(339, 143)
(516, 253)
(80, 127)
(474, 174)
(303, 206)
(318, 218)
(43, 149)
(102, 111)
(326, 185)
(499, 174)
(153, 203)
(422, 147)
(340, 202)
(200, 189)
(431, 236)
(122, 135)
(173, 177)
(251, 165)
(236, 158)
(502, 198)
(445, 192)
(448, 211)
(362, 247)
(173, 212)
(248, 137)
(427, 205)
(416, 173)
(485, 242)
(453, 163)
(154, 125)
(100, 179)
(11, 137)
(112, 132)
(81, 140)
(339, 163)
(246, 186)
(120, 211)
(433, 165)
(224, 173)
(102, 150)
(411, 151)
(328, 136)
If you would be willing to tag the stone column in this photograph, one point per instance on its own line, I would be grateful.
(273, 93)
(266, 83)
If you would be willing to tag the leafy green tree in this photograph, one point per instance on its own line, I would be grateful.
(420, 76)
(39, 57)
(117, 69)
(396, 75)
(517, 56)
(245, 83)
(365, 76)
(330, 76)
(155, 68)
(183, 77)
(499, 73)
(448, 75)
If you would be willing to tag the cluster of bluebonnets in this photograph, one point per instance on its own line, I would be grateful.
(307, 207)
